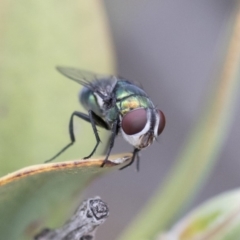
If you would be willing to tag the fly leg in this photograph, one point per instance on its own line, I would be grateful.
(135, 155)
(90, 114)
(111, 142)
(71, 132)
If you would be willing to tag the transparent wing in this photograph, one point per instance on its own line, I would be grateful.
(133, 82)
(99, 83)
(80, 76)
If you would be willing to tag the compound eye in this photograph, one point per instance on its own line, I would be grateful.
(161, 122)
(134, 121)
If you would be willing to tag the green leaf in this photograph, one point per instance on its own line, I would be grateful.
(217, 219)
(41, 196)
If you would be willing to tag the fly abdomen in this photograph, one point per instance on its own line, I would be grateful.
(89, 101)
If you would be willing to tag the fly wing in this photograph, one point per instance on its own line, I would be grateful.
(101, 84)
(133, 82)
(80, 76)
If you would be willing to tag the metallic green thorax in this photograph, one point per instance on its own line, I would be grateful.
(127, 97)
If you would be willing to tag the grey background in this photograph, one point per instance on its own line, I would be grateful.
(172, 48)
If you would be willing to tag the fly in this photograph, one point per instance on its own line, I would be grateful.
(118, 105)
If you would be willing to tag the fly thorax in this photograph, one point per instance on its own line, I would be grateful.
(111, 114)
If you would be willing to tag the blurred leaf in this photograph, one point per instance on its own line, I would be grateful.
(201, 150)
(217, 219)
(35, 100)
(40, 196)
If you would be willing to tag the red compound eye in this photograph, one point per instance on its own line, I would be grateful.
(134, 121)
(162, 122)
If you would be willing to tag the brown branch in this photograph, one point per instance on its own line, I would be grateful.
(82, 225)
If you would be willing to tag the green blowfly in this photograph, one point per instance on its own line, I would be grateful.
(118, 105)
